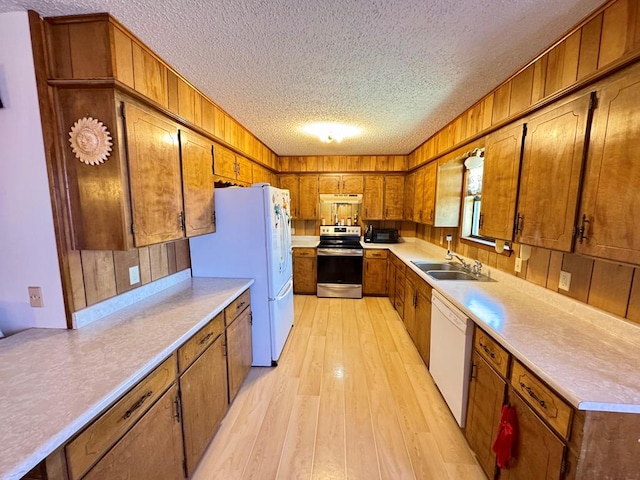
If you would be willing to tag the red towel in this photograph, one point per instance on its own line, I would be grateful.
(506, 437)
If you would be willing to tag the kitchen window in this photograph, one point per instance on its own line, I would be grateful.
(472, 204)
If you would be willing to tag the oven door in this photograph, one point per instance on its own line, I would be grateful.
(339, 273)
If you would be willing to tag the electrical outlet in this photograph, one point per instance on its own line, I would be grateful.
(565, 281)
(35, 297)
(518, 267)
(134, 275)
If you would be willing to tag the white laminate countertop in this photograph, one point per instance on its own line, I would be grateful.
(53, 382)
(590, 357)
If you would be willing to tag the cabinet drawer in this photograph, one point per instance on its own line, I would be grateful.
(88, 447)
(424, 288)
(492, 352)
(304, 252)
(546, 403)
(377, 253)
(237, 306)
(199, 342)
(412, 277)
(398, 263)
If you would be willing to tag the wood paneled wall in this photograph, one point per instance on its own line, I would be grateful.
(99, 47)
(606, 39)
(312, 227)
(98, 275)
(343, 163)
(606, 285)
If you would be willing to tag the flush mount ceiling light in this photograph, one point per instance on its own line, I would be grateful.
(330, 131)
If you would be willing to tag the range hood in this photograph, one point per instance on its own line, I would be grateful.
(348, 198)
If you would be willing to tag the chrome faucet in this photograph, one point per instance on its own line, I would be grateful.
(477, 267)
(465, 265)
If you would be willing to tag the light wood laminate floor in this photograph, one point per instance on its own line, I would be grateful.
(350, 398)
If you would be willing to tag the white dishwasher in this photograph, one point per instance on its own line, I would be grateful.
(450, 354)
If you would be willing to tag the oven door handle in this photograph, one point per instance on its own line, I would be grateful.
(339, 252)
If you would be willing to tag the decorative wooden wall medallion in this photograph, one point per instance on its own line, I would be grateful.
(90, 141)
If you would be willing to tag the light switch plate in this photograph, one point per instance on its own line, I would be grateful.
(565, 280)
(134, 275)
(518, 267)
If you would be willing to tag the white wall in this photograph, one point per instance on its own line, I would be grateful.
(28, 254)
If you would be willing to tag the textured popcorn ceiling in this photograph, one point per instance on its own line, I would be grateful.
(398, 69)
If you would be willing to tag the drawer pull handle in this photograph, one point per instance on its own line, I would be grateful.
(533, 395)
(240, 305)
(138, 404)
(487, 351)
(206, 337)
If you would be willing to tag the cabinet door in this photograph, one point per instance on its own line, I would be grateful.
(375, 276)
(538, 452)
(393, 197)
(611, 198)
(239, 353)
(429, 193)
(292, 183)
(409, 194)
(550, 179)
(309, 197)
(224, 162)
(500, 182)
(154, 177)
(304, 271)
(352, 184)
(448, 194)
(203, 391)
(244, 170)
(372, 202)
(423, 321)
(197, 183)
(151, 449)
(329, 183)
(409, 312)
(391, 280)
(418, 199)
(486, 397)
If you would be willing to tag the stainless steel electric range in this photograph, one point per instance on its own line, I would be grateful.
(340, 257)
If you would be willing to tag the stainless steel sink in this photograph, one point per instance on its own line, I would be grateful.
(458, 275)
(427, 266)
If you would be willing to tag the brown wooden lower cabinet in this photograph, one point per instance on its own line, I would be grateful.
(151, 449)
(538, 452)
(204, 397)
(239, 351)
(375, 272)
(486, 396)
(417, 313)
(305, 268)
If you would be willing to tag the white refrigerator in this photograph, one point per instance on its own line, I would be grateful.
(253, 240)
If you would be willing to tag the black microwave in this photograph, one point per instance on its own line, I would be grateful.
(383, 235)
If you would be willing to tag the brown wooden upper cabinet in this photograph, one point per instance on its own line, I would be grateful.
(153, 152)
(608, 217)
(147, 190)
(373, 198)
(383, 197)
(436, 190)
(393, 197)
(340, 184)
(292, 183)
(309, 199)
(500, 182)
(197, 183)
(409, 195)
(231, 166)
(550, 177)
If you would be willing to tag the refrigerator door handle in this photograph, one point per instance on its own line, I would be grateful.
(285, 293)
